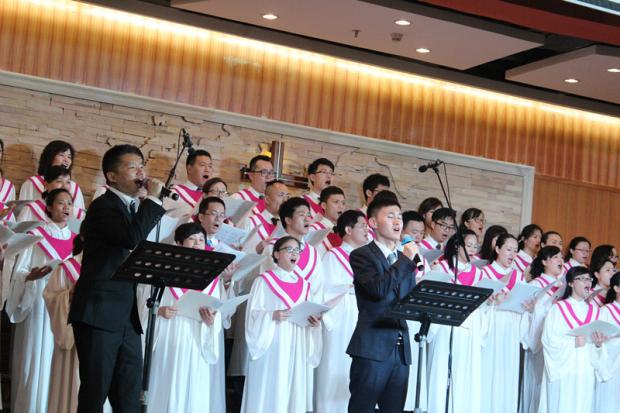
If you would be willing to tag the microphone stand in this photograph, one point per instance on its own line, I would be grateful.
(459, 238)
(156, 294)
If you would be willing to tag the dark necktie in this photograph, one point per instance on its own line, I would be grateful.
(392, 257)
(133, 206)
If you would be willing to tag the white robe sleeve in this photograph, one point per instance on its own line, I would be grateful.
(314, 338)
(558, 347)
(27, 192)
(56, 295)
(22, 293)
(79, 198)
(260, 327)
(210, 335)
(607, 362)
(532, 324)
(332, 266)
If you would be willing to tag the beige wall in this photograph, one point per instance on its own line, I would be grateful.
(29, 119)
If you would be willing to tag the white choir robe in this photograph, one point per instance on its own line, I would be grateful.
(7, 193)
(570, 264)
(31, 192)
(332, 374)
(251, 194)
(282, 353)
(531, 333)
(607, 367)
(523, 260)
(568, 378)
(189, 197)
(316, 211)
(308, 267)
(468, 339)
(187, 374)
(500, 358)
(239, 357)
(36, 211)
(33, 341)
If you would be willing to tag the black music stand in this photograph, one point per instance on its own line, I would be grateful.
(439, 303)
(163, 265)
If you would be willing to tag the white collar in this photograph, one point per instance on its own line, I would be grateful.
(347, 247)
(432, 241)
(313, 195)
(501, 269)
(54, 230)
(285, 275)
(191, 185)
(126, 199)
(384, 248)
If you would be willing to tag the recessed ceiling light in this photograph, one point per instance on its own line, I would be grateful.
(402, 22)
(270, 16)
(571, 80)
(423, 50)
(614, 70)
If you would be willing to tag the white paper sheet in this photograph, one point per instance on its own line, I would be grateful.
(231, 235)
(247, 264)
(19, 242)
(437, 276)
(519, 294)
(431, 255)
(610, 330)
(494, 285)
(24, 226)
(168, 226)
(300, 313)
(480, 263)
(189, 304)
(314, 238)
(238, 209)
(19, 205)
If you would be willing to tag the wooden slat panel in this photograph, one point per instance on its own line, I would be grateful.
(85, 44)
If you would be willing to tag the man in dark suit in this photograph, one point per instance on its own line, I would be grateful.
(103, 312)
(380, 346)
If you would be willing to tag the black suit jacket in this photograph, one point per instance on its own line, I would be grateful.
(377, 286)
(109, 234)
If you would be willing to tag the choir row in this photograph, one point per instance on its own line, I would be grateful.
(294, 364)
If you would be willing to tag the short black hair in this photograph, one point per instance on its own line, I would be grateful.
(570, 277)
(191, 158)
(288, 207)
(371, 182)
(546, 235)
(411, 216)
(573, 244)
(501, 240)
(329, 191)
(54, 172)
(212, 181)
(386, 194)
(486, 250)
(377, 204)
(347, 219)
(204, 204)
(50, 151)
(184, 231)
(453, 244)
(527, 232)
(443, 213)
(112, 158)
(314, 166)
(51, 197)
(537, 267)
(257, 158)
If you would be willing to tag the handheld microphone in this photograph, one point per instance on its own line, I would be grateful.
(187, 142)
(430, 165)
(165, 192)
(416, 258)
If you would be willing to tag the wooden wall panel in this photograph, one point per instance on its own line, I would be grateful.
(90, 45)
(577, 209)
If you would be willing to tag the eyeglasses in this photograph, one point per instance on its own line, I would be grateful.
(218, 193)
(265, 172)
(328, 173)
(216, 215)
(292, 250)
(446, 227)
(582, 250)
(584, 279)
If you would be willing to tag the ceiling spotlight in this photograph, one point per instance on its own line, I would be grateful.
(402, 22)
(571, 80)
(270, 16)
(423, 50)
(614, 70)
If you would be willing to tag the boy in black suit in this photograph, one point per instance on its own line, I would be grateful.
(380, 346)
(103, 312)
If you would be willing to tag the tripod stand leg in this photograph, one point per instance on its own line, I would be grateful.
(153, 305)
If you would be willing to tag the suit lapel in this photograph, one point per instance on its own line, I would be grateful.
(116, 201)
(377, 251)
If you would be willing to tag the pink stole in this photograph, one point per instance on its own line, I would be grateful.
(247, 195)
(492, 273)
(5, 190)
(542, 282)
(571, 318)
(178, 292)
(522, 262)
(316, 208)
(371, 232)
(60, 249)
(614, 310)
(464, 277)
(38, 209)
(190, 196)
(265, 228)
(307, 262)
(343, 258)
(427, 245)
(599, 299)
(289, 293)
